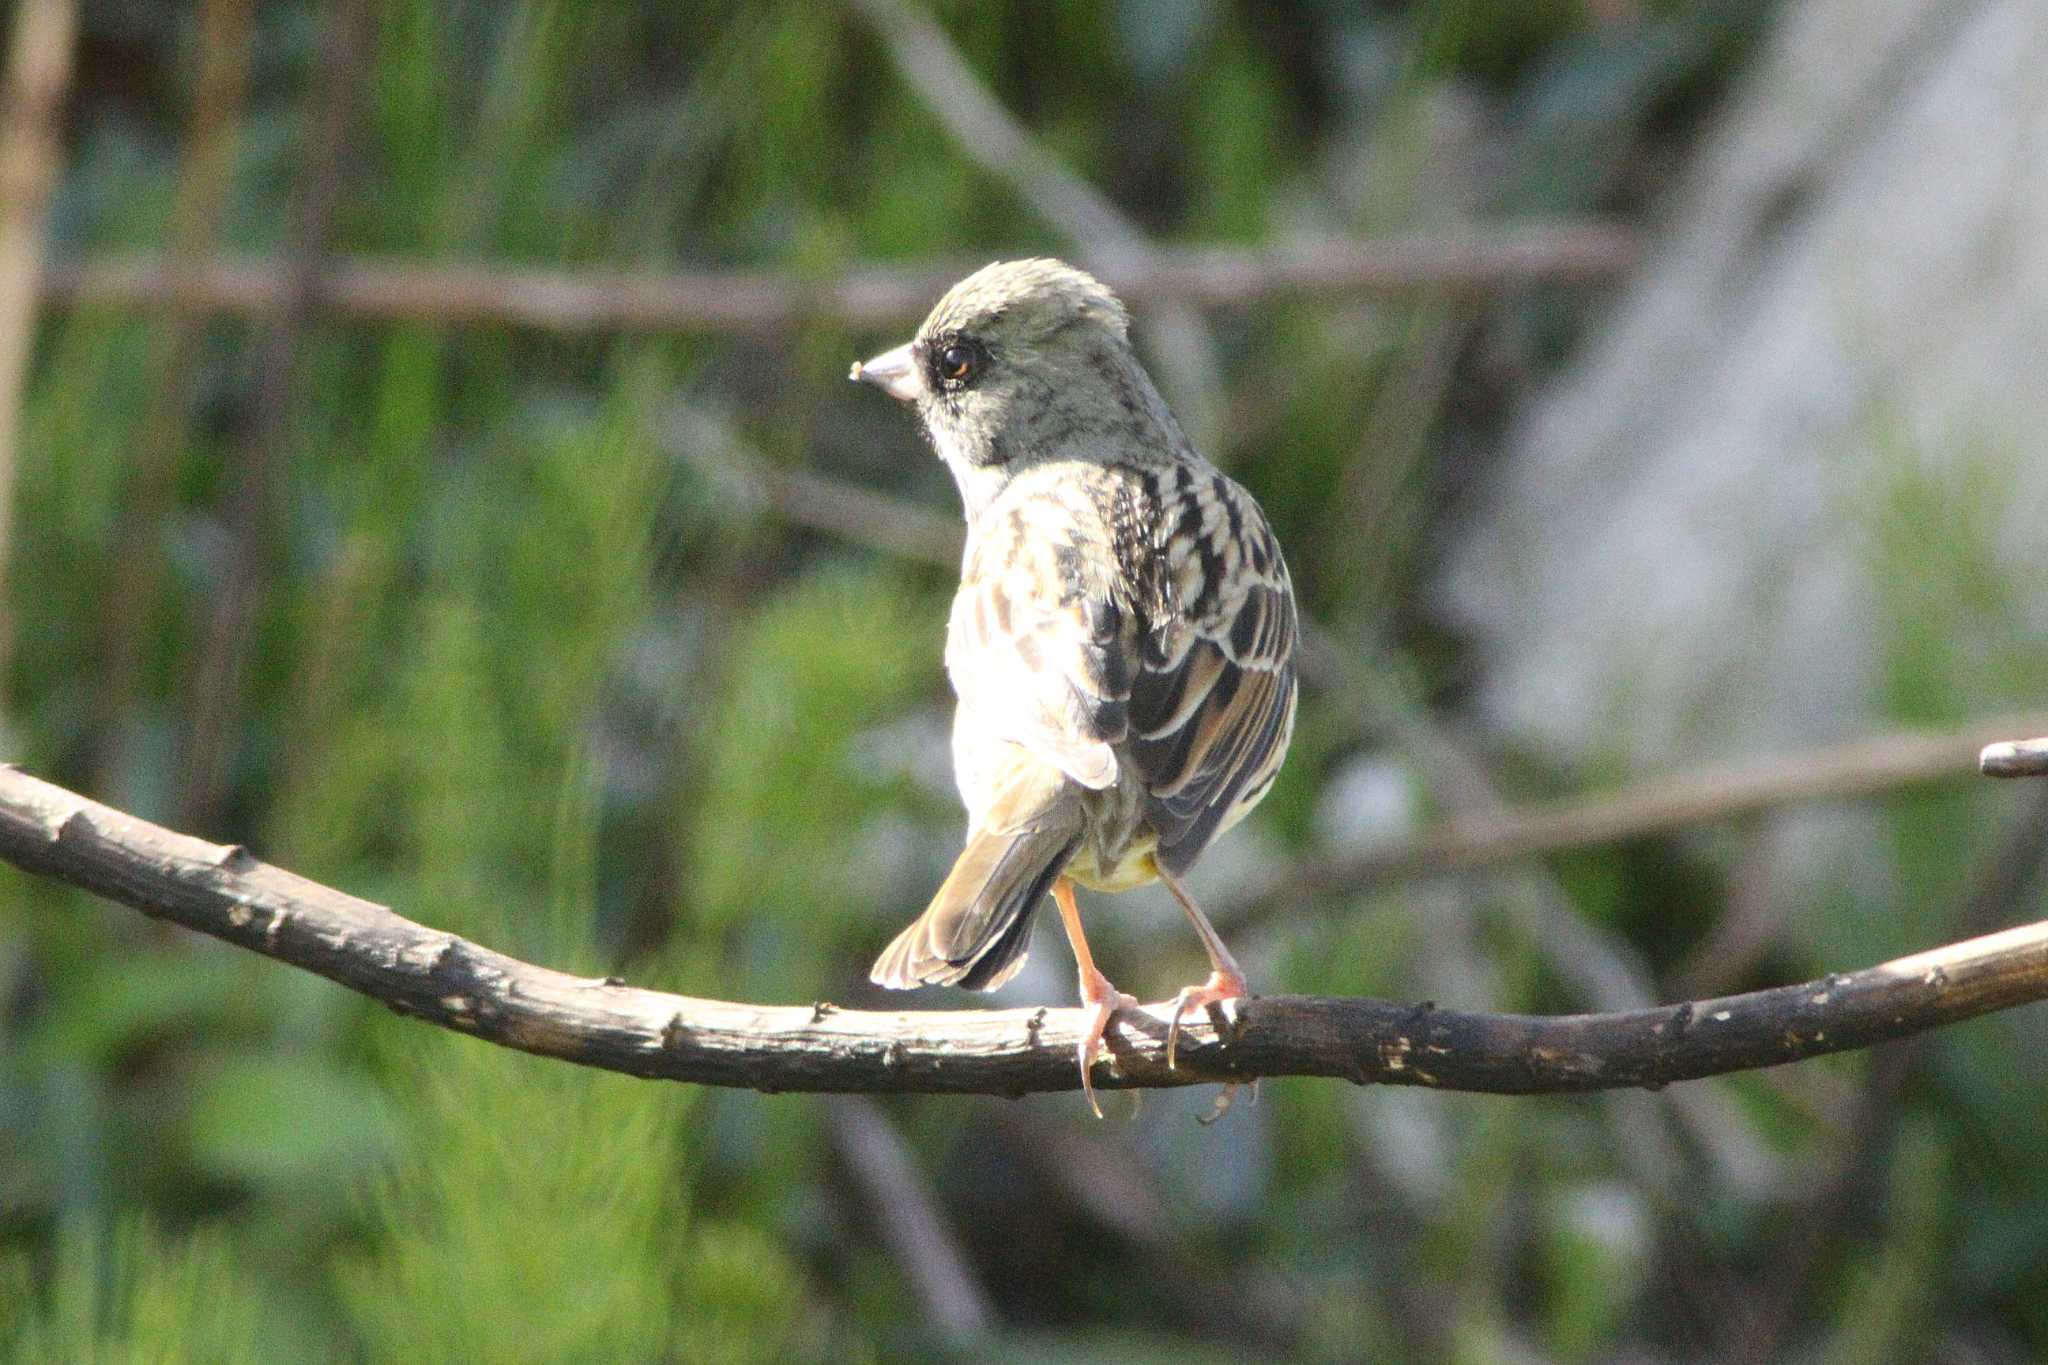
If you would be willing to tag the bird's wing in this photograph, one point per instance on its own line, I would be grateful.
(1158, 633)
(1211, 705)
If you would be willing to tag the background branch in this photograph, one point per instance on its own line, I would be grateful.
(865, 296)
(2015, 758)
(31, 100)
(1837, 772)
(136, 572)
(214, 731)
(911, 1220)
(225, 892)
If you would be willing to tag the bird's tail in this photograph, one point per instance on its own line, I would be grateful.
(977, 928)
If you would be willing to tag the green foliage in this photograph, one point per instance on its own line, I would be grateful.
(540, 1213)
(742, 1300)
(807, 764)
(285, 1122)
(1596, 1238)
(1237, 121)
(129, 1293)
(1888, 1295)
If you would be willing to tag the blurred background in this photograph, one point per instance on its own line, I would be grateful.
(428, 459)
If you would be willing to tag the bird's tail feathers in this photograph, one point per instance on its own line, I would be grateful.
(976, 930)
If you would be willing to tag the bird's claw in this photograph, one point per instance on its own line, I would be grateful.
(1219, 990)
(1103, 1001)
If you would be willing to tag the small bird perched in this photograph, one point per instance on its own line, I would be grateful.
(1122, 643)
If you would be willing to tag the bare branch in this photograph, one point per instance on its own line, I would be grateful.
(866, 296)
(459, 985)
(2015, 758)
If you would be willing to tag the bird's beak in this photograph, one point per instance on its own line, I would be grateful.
(893, 372)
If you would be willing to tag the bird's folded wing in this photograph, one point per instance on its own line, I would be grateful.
(1212, 704)
(1183, 660)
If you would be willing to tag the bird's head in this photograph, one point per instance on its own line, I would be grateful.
(1020, 363)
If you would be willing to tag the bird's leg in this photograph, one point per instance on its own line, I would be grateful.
(1226, 979)
(1102, 999)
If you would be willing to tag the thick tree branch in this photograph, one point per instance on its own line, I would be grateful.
(446, 980)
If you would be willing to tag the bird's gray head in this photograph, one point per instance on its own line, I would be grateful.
(1021, 363)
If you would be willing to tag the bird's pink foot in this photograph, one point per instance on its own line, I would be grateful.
(1222, 986)
(1103, 1001)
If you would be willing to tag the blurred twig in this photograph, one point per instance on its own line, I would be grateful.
(864, 296)
(1378, 484)
(213, 734)
(1603, 972)
(712, 447)
(132, 581)
(2015, 758)
(38, 72)
(1836, 772)
(1842, 1193)
(1748, 923)
(225, 892)
(1100, 1172)
(912, 1224)
(985, 133)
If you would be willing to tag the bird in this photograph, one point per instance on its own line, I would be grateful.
(1121, 646)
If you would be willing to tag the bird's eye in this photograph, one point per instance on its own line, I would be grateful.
(957, 363)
